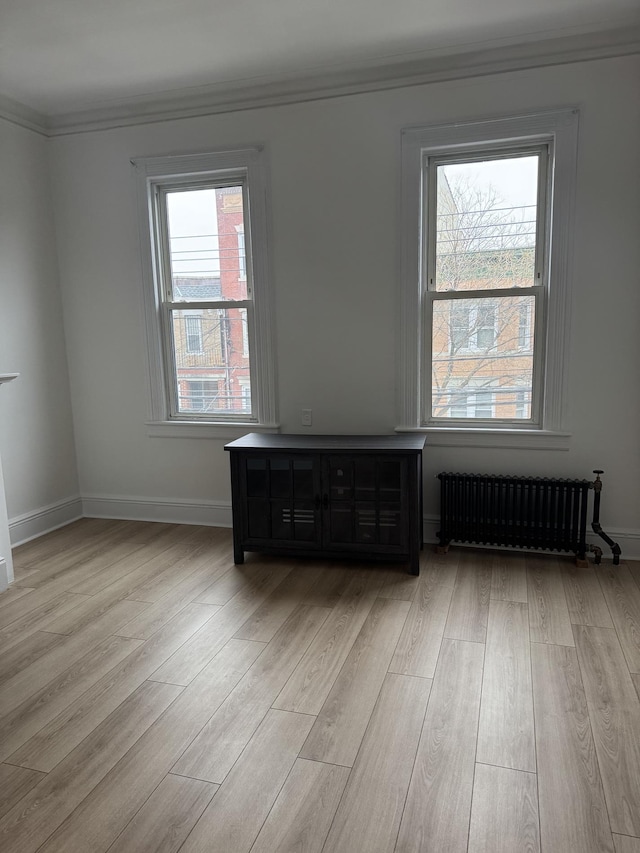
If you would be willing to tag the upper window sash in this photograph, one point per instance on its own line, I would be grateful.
(430, 163)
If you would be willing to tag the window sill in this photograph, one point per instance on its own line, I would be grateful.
(204, 429)
(507, 439)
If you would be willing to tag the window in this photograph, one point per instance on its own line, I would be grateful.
(199, 395)
(207, 298)
(192, 332)
(485, 301)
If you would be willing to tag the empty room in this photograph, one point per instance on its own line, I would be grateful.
(320, 427)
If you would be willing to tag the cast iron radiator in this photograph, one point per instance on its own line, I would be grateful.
(522, 512)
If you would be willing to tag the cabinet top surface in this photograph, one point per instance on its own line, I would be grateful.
(331, 443)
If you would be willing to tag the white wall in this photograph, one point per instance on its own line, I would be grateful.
(335, 198)
(36, 431)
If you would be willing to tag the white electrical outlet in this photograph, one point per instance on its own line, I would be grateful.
(305, 417)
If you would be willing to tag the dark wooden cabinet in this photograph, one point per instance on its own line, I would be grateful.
(323, 495)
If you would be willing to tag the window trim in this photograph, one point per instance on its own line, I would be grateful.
(225, 165)
(558, 128)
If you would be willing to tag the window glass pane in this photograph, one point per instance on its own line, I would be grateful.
(486, 223)
(482, 369)
(206, 244)
(215, 378)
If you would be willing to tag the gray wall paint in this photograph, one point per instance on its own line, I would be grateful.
(334, 205)
(36, 431)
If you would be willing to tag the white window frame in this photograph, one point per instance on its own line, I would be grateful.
(557, 130)
(154, 175)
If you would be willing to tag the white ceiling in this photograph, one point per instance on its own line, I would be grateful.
(59, 56)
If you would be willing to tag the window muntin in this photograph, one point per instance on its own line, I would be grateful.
(484, 240)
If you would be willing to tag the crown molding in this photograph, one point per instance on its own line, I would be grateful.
(18, 113)
(424, 68)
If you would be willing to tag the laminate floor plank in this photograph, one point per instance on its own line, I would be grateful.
(587, 605)
(504, 814)
(13, 593)
(626, 844)
(157, 615)
(15, 782)
(115, 800)
(28, 718)
(614, 711)
(508, 578)
(230, 583)
(91, 561)
(438, 806)
(398, 583)
(371, 809)
(124, 587)
(233, 819)
(32, 821)
(573, 814)
(469, 608)
(310, 683)
(506, 734)
(167, 817)
(42, 671)
(549, 620)
(57, 739)
(13, 660)
(335, 578)
(301, 816)
(194, 564)
(38, 602)
(623, 597)
(267, 620)
(216, 749)
(65, 540)
(636, 680)
(340, 726)
(183, 666)
(40, 619)
(419, 645)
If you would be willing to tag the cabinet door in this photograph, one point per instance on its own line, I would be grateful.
(283, 499)
(367, 499)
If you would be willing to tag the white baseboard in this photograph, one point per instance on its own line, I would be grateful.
(628, 540)
(27, 526)
(4, 575)
(171, 510)
(211, 513)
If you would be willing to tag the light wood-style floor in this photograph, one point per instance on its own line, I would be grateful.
(155, 697)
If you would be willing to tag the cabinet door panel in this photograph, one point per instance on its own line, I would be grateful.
(340, 524)
(340, 477)
(390, 524)
(280, 477)
(256, 478)
(305, 485)
(258, 526)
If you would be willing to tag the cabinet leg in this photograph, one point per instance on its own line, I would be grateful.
(414, 563)
(238, 554)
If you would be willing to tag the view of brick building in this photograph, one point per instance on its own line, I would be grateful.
(209, 265)
(482, 348)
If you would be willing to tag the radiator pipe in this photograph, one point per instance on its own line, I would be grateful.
(595, 524)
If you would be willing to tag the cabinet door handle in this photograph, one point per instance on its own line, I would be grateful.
(325, 501)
